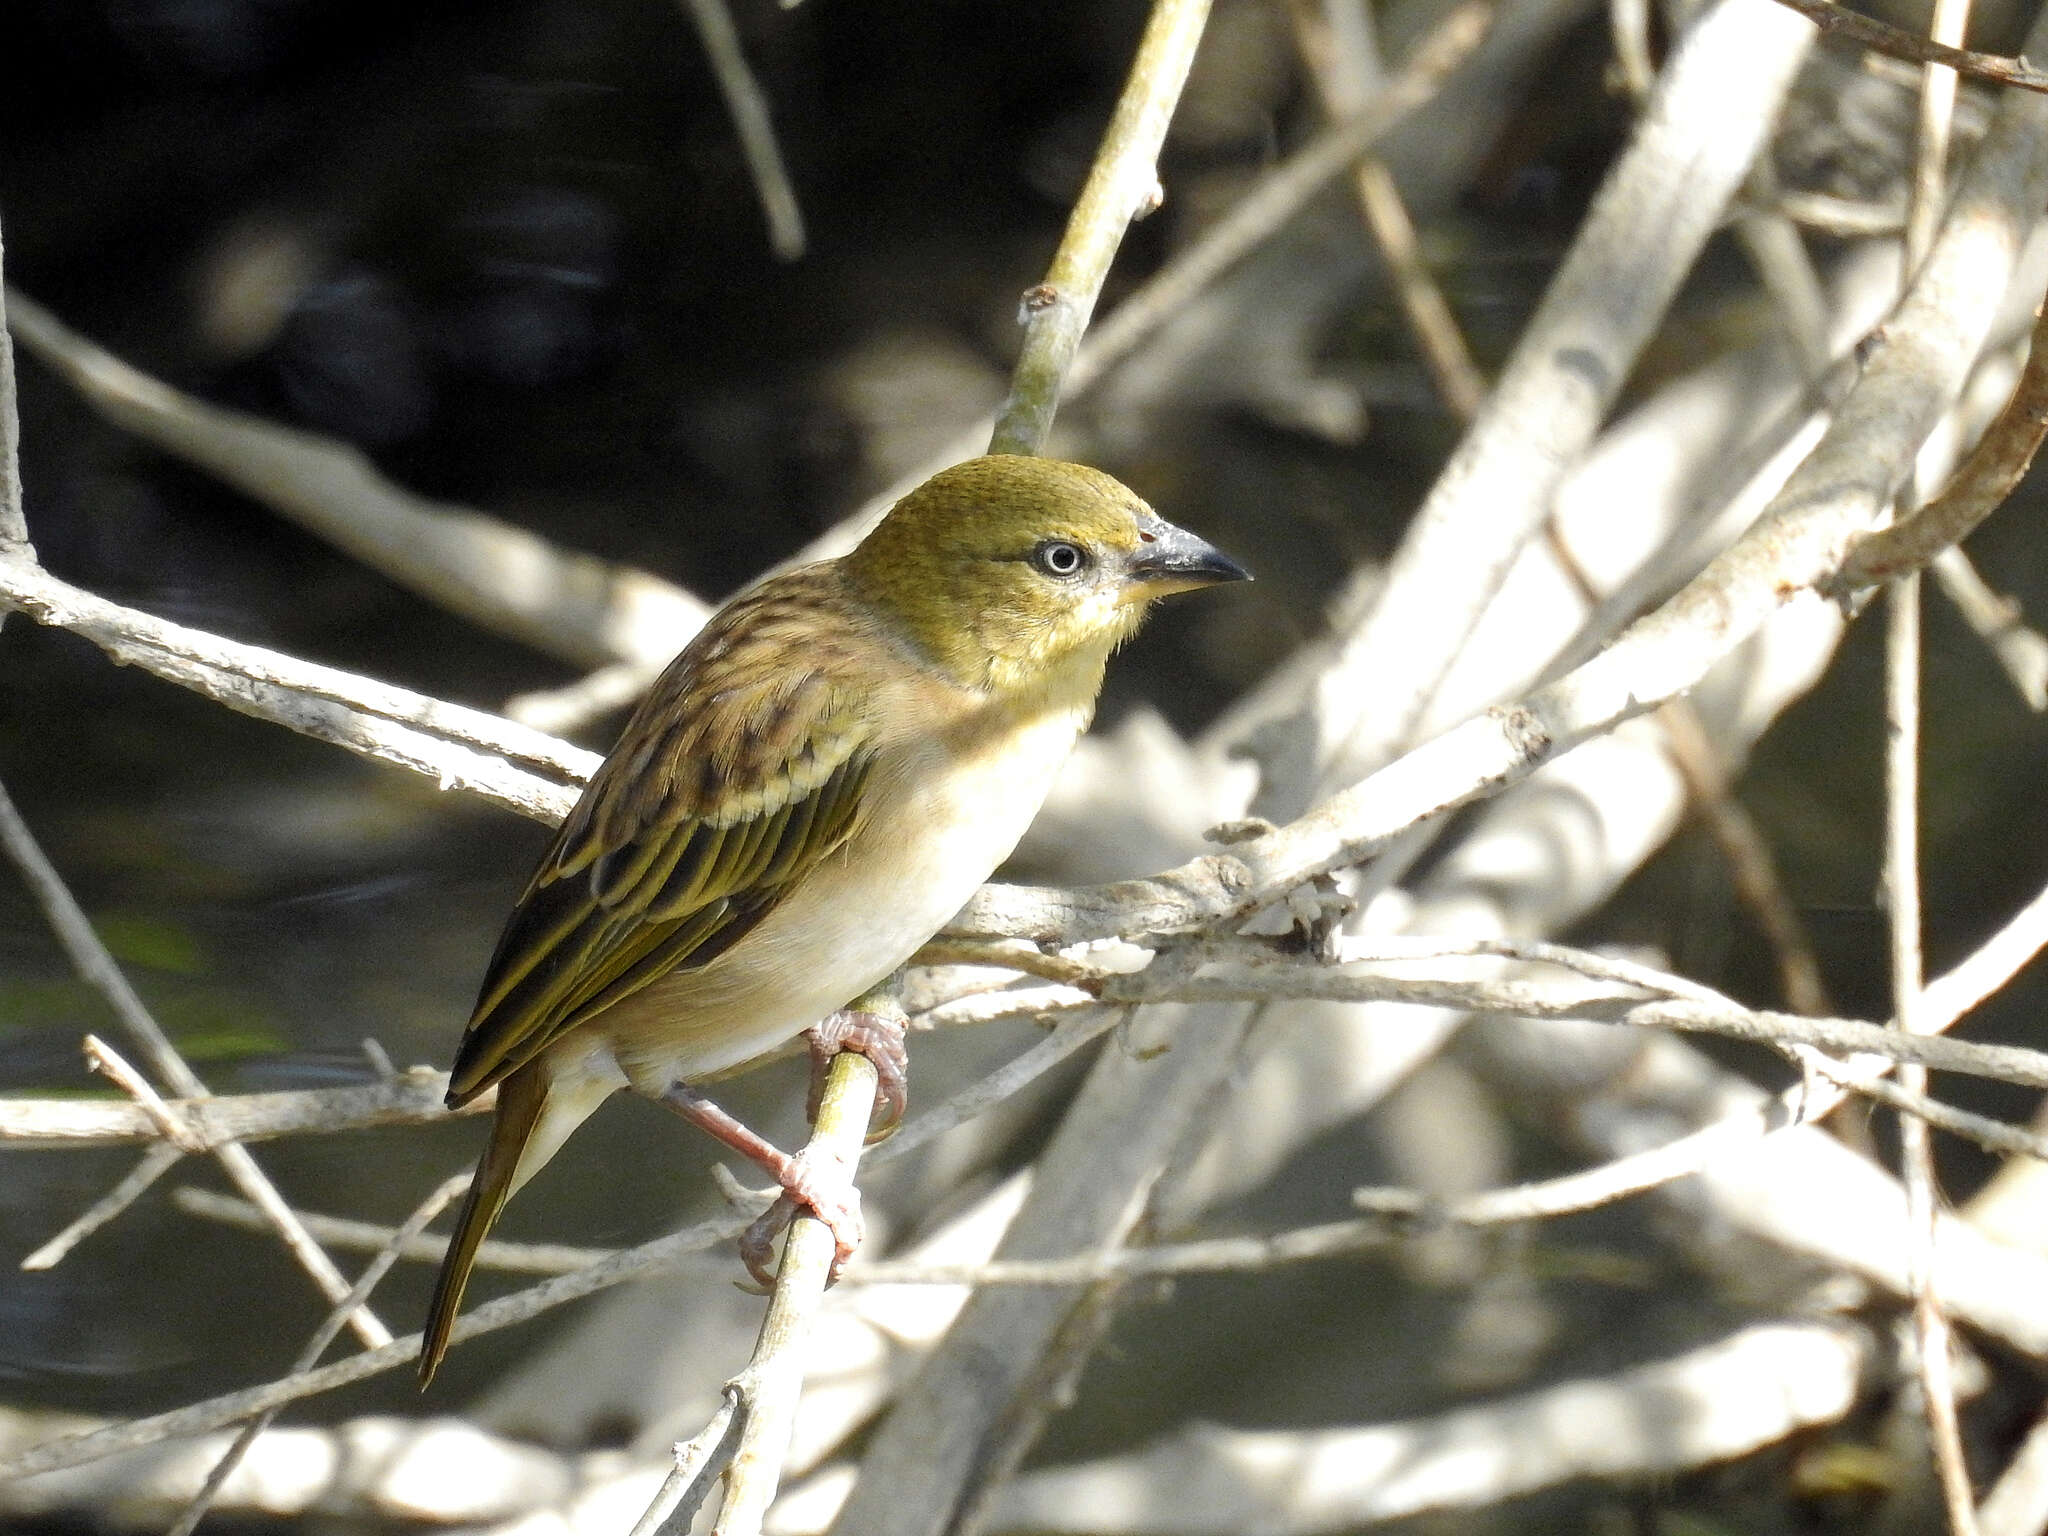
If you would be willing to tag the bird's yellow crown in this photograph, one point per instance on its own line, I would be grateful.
(1004, 568)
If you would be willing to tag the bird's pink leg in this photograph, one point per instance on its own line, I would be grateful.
(838, 1208)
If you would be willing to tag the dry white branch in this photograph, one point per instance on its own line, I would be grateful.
(2017, 1504)
(1607, 991)
(458, 748)
(768, 1389)
(1711, 108)
(1999, 622)
(504, 578)
(13, 523)
(1715, 1403)
(390, 1470)
(1912, 375)
(412, 1097)
(1902, 849)
(673, 1511)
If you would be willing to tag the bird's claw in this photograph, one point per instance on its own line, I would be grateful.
(879, 1037)
(836, 1204)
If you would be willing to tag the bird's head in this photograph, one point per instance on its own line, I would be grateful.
(1004, 568)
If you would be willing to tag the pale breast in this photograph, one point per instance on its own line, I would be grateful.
(943, 815)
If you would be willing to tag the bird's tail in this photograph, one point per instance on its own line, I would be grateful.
(522, 1101)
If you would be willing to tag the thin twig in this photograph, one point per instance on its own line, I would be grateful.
(748, 104)
(1900, 44)
(1281, 194)
(697, 1462)
(102, 1058)
(1122, 185)
(1344, 83)
(324, 1335)
(13, 521)
(352, 1235)
(1999, 622)
(1992, 1135)
(773, 1379)
(1924, 204)
(1752, 867)
(1773, 245)
(156, 1161)
(98, 969)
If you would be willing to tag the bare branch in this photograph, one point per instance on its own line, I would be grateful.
(1710, 111)
(748, 104)
(1902, 849)
(459, 748)
(98, 969)
(1987, 477)
(1648, 1421)
(105, 1060)
(324, 1335)
(1123, 185)
(564, 604)
(1344, 65)
(1999, 622)
(214, 1121)
(13, 522)
(1899, 44)
(697, 1461)
(156, 1161)
(773, 1380)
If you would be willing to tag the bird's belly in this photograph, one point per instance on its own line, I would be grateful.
(854, 919)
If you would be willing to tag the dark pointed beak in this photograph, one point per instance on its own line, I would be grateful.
(1173, 560)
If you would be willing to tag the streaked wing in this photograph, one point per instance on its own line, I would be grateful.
(741, 769)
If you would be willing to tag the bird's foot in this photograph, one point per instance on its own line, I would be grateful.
(828, 1195)
(877, 1036)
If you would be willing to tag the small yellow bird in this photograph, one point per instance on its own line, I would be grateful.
(814, 786)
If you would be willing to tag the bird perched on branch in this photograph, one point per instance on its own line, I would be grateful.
(816, 784)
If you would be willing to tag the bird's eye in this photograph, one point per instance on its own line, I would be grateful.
(1058, 557)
